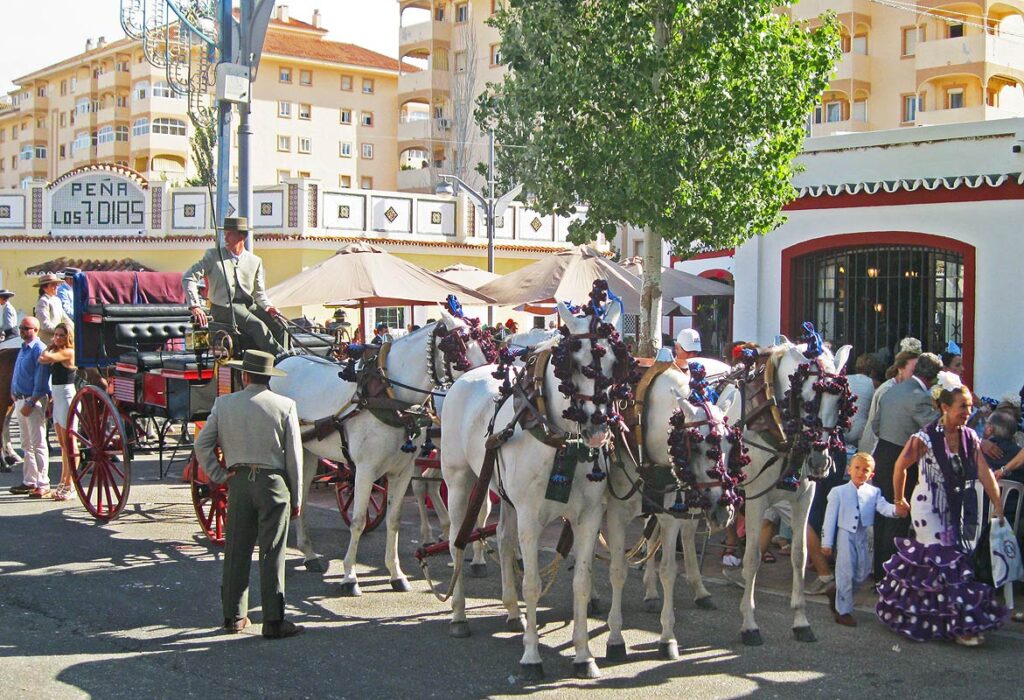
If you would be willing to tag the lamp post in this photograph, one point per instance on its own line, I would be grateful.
(493, 207)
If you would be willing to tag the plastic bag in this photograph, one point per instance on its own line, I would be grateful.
(1006, 563)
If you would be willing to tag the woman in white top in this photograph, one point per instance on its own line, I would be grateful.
(49, 310)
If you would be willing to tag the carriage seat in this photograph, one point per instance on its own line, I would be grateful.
(184, 362)
(313, 343)
(143, 325)
(141, 361)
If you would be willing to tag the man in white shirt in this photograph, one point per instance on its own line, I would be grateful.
(8, 315)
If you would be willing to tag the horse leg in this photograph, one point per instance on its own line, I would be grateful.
(303, 541)
(478, 567)
(10, 456)
(397, 488)
(749, 632)
(688, 535)
(419, 493)
(585, 539)
(798, 556)
(507, 536)
(460, 481)
(439, 507)
(668, 647)
(529, 538)
(618, 515)
(364, 478)
(652, 601)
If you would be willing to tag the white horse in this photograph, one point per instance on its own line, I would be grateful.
(373, 446)
(523, 470)
(767, 468)
(666, 395)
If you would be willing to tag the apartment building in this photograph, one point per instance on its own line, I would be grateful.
(457, 54)
(921, 63)
(321, 109)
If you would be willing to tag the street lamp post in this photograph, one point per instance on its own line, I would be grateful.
(492, 207)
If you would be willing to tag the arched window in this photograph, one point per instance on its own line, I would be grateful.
(81, 142)
(140, 127)
(171, 127)
(162, 89)
(141, 90)
(105, 135)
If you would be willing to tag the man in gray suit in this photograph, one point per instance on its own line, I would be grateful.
(236, 289)
(902, 411)
(258, 434)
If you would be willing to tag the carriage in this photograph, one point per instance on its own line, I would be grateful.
(151, 378)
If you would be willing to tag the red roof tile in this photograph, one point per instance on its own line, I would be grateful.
(315, 48)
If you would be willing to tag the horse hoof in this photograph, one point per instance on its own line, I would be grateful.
(532, 672)
(401, 585)
(668, 651)
(705, 603)
(459, 630)
(586, 669)
(515, 624)
(594, 607)
(478, 570)
(315, 566)
(615, 653)
(804, 634)
(652, 605)
(350, 589)
(752, 638)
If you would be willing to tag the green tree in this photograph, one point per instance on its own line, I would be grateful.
(204, 148)
(678, 117)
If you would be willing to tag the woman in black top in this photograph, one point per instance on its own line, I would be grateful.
(60, 356)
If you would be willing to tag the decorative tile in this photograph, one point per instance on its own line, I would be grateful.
(293, 205)
(391, 214)
(5, 211)
(37, 207)
(435, 218)
(536, 224)
(312, 205)
(266, 208)
(344, 211)
(189, 211)
(156, 208)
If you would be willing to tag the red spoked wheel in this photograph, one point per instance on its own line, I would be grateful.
(210, 500)
(100, 461)
(345, 480)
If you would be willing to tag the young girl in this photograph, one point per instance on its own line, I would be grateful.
(60, 356)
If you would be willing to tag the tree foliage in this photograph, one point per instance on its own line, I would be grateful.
(204, 148)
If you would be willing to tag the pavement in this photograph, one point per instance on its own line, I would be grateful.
(130, 609)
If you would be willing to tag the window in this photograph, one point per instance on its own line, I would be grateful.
(834, 112)
(284, 109)
(63, 88)
(14, 162)
(41, 152)
(122, 100)
(284, 75)
(3, 165)
(860, 111)
(955, 31)
(14, 132)
(955, 98)
(141, 89)
(139, 128)
(63, 150)
(911, 37)
(41, 123)
(366, 183)
(284, 143)
(344, 181)
(162, 89)
(367, 151)
(305, 77)
(438, 111)
(346, 116)
(860, 44)
(305, 111)
(911, 106)
(367, 86)
(82, 140)
(366, 118)
(495, 54)
(83, 106)
(63, 120)
(41, 91)
(346, 83)
(92, 139)
(282, 174)
(345, 149)
(462, 12)
(74, 84)
(121, 133)
(26, 152)
(305, 144)
(439, 14)
(391, 316)
(460, 61)
(122, 67)
(105, 135)
(304, 174)
(171, 127)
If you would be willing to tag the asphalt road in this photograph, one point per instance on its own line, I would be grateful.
(130, 609)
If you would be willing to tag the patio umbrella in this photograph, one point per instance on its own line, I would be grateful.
(564, 276)
(366, 274)
(676, 283)
(467, 275)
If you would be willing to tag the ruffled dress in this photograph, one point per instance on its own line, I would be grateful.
(929, 591)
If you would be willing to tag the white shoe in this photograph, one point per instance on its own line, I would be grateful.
(819, 585)
(731, 560)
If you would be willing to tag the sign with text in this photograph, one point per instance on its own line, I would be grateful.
(98, 202)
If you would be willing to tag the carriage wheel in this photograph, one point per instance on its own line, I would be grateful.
(210, 500)
(345, 485)
(100, 461)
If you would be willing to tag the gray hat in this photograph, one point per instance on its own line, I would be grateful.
(236, 223)
(257, 362)
(6, 293)
(49, 278)
(71, 271)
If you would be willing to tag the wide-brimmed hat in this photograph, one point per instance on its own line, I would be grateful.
(236, 223)
(257, 362)
(49, 278)
(71, 271)
(6, 293)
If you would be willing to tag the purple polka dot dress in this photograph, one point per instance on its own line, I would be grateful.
(929, 591)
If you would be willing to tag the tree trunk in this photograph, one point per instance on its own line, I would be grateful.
(650, 296)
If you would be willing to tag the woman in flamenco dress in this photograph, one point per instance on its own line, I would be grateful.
(929, 591)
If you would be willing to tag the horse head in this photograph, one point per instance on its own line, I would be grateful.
(463, 342)
(817, 404)
(590, 361)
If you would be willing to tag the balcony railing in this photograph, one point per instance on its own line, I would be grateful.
(422, 81)
(853, 66)
(424, 32)
(419, 130)
(114, 79)
(973, 48)
(810, 9)
(847, 126)
(962, 115)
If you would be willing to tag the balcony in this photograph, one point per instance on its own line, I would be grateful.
(34, 167)
(423, 83)
(415, 180)
(40, 134)
(113, 150)
(424, 35)
(962, 115)
(966, 54)
(166, 106)
(812, 9)
(111, 114)
(417, 130)
(84, 156)
(160, 143)
(34, 103)
(854, 66)
(113, 79)
(848, 126)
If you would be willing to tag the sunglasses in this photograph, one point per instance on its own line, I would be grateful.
(27, 328)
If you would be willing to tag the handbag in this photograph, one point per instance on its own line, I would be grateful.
(1005, 554)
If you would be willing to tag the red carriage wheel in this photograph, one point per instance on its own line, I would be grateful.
(100, 460)
(210, 500)
(345, 482)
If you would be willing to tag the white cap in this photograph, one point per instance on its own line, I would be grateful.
(689, 340)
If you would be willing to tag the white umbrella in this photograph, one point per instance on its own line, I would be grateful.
(676, 283)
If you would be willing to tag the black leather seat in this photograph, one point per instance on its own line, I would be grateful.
(142, 361)
(183, 362)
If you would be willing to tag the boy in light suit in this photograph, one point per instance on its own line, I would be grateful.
(850, 512)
